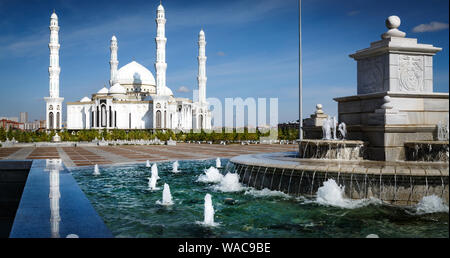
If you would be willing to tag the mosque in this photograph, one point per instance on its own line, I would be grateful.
(134, 100)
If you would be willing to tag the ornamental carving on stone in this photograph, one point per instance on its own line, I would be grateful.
(371, 75)
(410, 73)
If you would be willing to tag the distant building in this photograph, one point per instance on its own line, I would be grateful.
(10, 124)
(23, 117)
(289, 125)
(34, 126)
(15, 119)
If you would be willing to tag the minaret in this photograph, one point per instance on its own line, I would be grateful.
(160, 65)
(54, 102)
(113, 62)
(54, 69)
(201, 78)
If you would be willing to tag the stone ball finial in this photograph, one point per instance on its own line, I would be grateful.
(319, 109)
(393, 22)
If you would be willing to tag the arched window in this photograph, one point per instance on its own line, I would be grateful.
(158, 119)
(57, 121)
(165, 119)
(110, 117)
(115, 118)
(50, 120)
(129, 120)
(200, 121)
(97, 118)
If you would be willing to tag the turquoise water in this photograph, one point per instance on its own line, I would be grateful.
(121, 197)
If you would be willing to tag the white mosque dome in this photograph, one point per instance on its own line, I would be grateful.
(135, 74)
(85, 99)
(104, 90)
(117, 89)
(54, 16)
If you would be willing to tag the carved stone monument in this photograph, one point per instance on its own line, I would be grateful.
(395, 101)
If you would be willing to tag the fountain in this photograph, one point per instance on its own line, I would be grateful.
(218, 165)
(343, 130)
(209, 211)
(387, 148)
(152, 183)
(166, 196)
(96, 170)
(330, 147)
(155, 171)
(148, 164)
(153, 179)
(175, 167)
(326, 127)
(429, 150)
(212, 175)
(442, 131)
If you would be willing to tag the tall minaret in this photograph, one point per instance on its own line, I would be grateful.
(54, 102)
(160, 65)
(201, 68)
(53, 69)
(113, 62)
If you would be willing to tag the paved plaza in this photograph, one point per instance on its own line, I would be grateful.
(88, 156)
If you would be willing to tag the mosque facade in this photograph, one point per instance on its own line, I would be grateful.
(134, 98)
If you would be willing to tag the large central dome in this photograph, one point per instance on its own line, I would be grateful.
(135, 74)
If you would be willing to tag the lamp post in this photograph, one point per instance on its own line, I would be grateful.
(300, 86)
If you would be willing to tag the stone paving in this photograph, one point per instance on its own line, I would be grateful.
(88, 156)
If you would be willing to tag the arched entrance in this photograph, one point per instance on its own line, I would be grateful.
(50, 120)
(103, 116)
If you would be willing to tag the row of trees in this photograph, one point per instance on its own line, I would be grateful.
(115, 134)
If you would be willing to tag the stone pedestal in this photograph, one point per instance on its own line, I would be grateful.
(395, 102)
(312, 126)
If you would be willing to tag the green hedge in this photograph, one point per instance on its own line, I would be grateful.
(115, 134)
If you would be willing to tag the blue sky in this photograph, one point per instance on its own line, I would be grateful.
(252, 46)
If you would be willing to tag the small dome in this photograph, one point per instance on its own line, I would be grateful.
(85, 99)
(54, 16)
(202, 33)
(114, 38)
(104, 90)
(167, 92)
(135, 74)
(160, 8)
(117, 89)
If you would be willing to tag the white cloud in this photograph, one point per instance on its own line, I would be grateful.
(183, 89)
(353, 13)
(432, 26)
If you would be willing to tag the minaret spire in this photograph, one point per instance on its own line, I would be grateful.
(113, 62)
(54, 102)
(160, 65)
(54, 46)
(201, 78)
